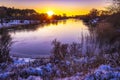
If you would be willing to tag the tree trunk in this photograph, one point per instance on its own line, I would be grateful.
(1, 22)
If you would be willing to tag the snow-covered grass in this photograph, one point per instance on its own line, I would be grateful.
(18, 22)
(105, 72)
(45, 69)
(22, 60)
(23, 68)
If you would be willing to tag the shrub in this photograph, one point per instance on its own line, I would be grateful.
(5, 43)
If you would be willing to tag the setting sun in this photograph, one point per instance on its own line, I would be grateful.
(50, 13)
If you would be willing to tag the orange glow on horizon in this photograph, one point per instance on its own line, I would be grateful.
(61, 12)
(68, 11)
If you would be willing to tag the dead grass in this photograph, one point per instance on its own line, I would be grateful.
(107, 32)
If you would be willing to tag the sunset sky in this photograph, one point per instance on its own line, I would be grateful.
(70, 7)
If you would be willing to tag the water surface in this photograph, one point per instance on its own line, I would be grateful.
(37, 42)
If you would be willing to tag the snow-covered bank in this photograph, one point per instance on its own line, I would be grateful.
(43, 69)
(18, 22)
(16, 69)
(105, 72)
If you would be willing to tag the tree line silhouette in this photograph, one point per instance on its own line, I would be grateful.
(7, 14)
(111, 14)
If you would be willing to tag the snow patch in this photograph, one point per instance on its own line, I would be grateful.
(22, 60)
(18, 22)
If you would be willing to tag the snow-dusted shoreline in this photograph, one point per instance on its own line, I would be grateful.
(18, 22)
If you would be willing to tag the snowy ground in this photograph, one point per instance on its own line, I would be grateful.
(37, 69)
(18, 22)
(103, 72)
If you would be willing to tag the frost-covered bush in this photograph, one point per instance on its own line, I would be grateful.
(72, 58)
(104, 72)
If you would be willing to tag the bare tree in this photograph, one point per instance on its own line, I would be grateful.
(115, 7)
(5, 43)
